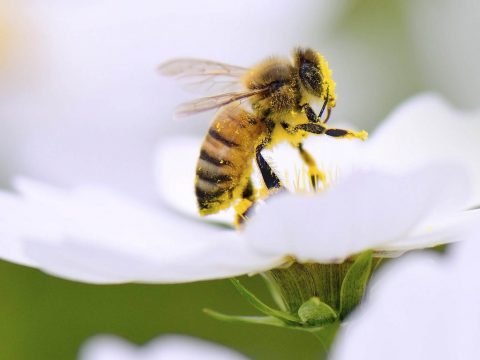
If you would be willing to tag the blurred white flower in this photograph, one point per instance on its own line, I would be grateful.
(425, 306)
(14, 52)
(171, 347)
(95, 235)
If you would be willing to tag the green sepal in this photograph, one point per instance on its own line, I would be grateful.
(262, 307)
(355, 283)
(274, 292)
(314, 312)
(257, 320)
(324, 333)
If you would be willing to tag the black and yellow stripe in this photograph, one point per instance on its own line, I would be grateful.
(225, 162)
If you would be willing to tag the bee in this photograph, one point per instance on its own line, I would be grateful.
(258, 107)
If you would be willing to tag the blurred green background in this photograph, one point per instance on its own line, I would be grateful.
(48, 318)
(80, 102)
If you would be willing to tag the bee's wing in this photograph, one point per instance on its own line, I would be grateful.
(214, 102)
(204, 76)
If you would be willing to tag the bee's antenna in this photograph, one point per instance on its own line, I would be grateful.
(329, 111)
(323, 108)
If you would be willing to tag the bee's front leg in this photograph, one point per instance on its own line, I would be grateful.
(309, 113)
(314, 173)
(334, 132)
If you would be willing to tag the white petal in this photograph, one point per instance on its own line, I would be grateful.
(420, 307)
(175, 164)
(365, 210)
(11, 248)
(170, 347)
(95, 235)
(427, 129)
(449, 228)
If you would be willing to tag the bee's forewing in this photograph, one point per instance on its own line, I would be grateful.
(204, 76)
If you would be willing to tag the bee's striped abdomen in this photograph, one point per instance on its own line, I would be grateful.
(225, 162)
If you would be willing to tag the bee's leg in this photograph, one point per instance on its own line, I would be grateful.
(309, 113)
(334, 132)
(246, 204)
(270, 179)
(249, 196)
(314, 173)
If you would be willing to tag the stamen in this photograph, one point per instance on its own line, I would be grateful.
(301, 183)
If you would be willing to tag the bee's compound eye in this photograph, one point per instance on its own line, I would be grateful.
(311, 78)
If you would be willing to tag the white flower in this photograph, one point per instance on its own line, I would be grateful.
(425, 306)
(406, 188)
(171, 347)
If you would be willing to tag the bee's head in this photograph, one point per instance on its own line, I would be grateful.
(315, 75)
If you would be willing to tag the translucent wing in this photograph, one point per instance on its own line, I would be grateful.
(213, 102)
(204, 76)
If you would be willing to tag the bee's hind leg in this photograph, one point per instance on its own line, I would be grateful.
(314, 173)
(246, 204)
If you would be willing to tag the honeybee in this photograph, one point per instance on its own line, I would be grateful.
(267, 104)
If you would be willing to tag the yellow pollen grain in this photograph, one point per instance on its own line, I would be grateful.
(363, 135)
(329, 84)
